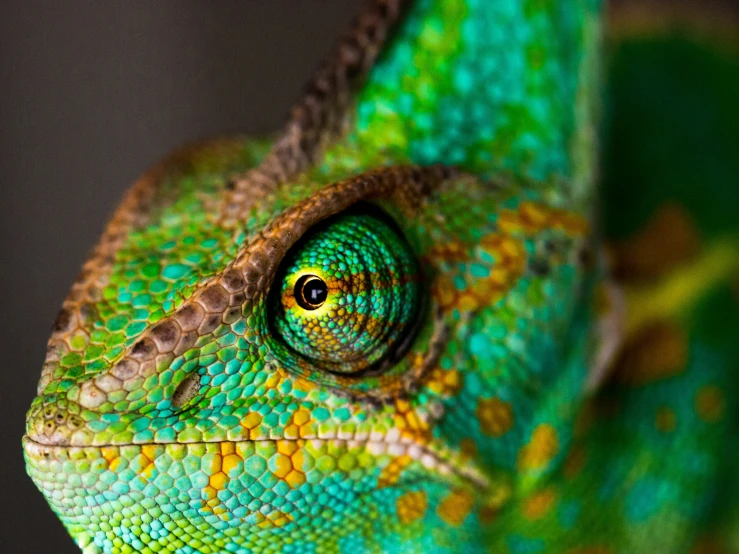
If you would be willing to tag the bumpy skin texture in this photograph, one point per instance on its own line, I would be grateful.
(443, 191)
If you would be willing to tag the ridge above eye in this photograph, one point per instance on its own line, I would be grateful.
(347, 292)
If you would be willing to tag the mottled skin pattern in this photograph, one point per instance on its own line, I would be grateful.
(438, 178)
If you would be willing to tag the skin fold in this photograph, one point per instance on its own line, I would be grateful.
(394, 327)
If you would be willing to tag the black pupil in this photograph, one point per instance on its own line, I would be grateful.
(311, 292)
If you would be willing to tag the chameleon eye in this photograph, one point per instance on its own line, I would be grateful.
(348, 293)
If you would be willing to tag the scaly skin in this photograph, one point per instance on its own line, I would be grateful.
(438, 181)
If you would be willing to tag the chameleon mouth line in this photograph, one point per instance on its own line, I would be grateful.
(428, 458)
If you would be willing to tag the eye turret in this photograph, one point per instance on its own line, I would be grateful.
(347, 293)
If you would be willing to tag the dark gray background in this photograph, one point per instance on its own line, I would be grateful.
(91, 94)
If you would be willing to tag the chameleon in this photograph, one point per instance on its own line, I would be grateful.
(393, 326)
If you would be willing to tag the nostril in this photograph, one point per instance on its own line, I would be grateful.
(186, 390)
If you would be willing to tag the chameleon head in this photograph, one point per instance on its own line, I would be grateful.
(345, 347)
(352, 374)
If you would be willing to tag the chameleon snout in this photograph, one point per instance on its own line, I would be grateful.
(136, 379)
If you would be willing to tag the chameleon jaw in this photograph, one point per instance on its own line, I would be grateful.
(440, 459)
(87, 486)
(57, 464)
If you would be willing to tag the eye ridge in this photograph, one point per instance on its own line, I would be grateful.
(310, 292)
